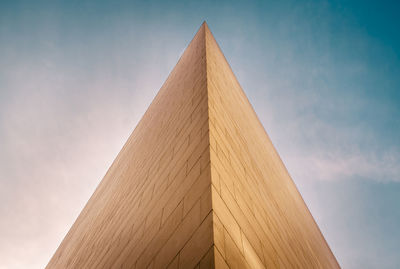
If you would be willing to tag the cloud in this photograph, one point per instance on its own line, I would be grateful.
(343, 165)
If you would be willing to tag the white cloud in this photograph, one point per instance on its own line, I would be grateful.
(342, 166)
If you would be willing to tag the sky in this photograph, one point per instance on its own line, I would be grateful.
(323, 77)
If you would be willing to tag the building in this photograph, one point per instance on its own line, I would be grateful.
(198, 184)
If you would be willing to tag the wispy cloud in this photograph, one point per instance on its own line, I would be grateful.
(345, 165)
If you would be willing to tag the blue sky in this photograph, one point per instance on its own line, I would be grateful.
(323, 77)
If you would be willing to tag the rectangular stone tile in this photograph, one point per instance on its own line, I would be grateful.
(219, 260)
(198, 244)
(208, 260)
(179, 237)
(234, 256)
(226, 218)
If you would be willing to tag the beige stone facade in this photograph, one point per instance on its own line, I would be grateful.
(198, 184)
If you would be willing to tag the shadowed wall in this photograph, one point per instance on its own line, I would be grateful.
(154, 198)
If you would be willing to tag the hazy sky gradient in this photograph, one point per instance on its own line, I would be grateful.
(323, 77)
